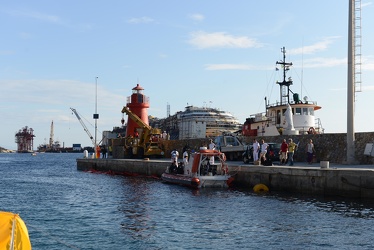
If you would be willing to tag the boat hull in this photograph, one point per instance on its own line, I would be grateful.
(197, 182)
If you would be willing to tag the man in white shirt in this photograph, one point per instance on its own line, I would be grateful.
(256, 148)
(264, 148)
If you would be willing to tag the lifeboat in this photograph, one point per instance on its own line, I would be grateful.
(206, 168)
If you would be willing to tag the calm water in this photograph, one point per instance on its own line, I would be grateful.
(67, 209)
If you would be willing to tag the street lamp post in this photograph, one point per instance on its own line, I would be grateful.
(96, 117)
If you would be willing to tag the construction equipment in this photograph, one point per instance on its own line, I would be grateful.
(146, 142)
(84, 126)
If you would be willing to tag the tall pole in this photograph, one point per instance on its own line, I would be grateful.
(351, 86)
(96, 116)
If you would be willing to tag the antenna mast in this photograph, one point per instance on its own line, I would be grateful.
(284, 93)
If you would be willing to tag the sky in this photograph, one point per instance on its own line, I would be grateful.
(57, 55)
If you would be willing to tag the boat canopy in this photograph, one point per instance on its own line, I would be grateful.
(13, 232)
(206, 153)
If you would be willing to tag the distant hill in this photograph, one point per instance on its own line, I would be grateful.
(4, 150)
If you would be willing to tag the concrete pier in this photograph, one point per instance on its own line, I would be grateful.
(355, 181)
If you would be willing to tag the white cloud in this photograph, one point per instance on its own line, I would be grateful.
(196, 17)
(36, 15)
(311, 49)
(203, 40)
(324, 62)
(363, 5)
(367, 88)
(54, 19)
(229, 67)
(51, 92)
(143, 19)
(367, 63)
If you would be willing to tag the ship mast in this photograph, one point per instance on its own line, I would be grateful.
(285, 84)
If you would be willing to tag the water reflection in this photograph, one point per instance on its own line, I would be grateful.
(342, 206)
(134, 206)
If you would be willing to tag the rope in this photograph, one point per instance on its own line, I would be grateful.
(345, 181)
(234, 172)
(54, 238)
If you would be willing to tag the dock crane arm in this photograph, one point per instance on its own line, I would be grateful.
(84, 126)
(136, 119)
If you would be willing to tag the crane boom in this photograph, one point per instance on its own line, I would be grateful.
(136, 118)
(84, 126)
(147, 142)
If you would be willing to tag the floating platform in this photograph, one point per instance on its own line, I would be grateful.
(354, 181)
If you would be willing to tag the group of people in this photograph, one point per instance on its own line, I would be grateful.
(286, 154)
(287, 151)
(175, 155)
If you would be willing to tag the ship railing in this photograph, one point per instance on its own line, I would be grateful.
(144, 100)
(318, 126)
(258, 117)
(291, 102)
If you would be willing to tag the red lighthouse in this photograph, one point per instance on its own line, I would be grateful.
(138, 104)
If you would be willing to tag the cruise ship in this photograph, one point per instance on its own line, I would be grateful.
(201, 122)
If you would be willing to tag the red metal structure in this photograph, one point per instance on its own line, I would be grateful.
(138, 104)
(25, 140)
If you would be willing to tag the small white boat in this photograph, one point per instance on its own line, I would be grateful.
(201, 171)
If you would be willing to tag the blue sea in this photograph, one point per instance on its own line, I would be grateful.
(68, 209)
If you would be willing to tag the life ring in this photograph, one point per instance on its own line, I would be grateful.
(311, 131)
(260, 188)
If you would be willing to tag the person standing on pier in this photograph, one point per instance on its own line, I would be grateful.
(310, 151)
(283, 152)
(256, 149)
(264, 149)
(291, 151)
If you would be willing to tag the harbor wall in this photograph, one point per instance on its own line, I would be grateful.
(329, 147)
(345, 182)
(123, 166)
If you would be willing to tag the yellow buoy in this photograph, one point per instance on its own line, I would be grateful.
(260, 188)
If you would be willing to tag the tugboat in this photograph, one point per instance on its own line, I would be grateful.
(287, 117)
(206, 168)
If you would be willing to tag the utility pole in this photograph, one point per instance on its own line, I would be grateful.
(96, 117)
(351, 83)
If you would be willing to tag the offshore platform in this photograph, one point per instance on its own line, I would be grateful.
(25, 140)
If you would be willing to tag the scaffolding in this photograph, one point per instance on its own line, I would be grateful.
(25, 140)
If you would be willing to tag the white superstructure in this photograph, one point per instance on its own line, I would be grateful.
(275, 120)
(201, 122)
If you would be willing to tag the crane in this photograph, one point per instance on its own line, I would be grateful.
(51, 136)
(147, 144)
(84, 126)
